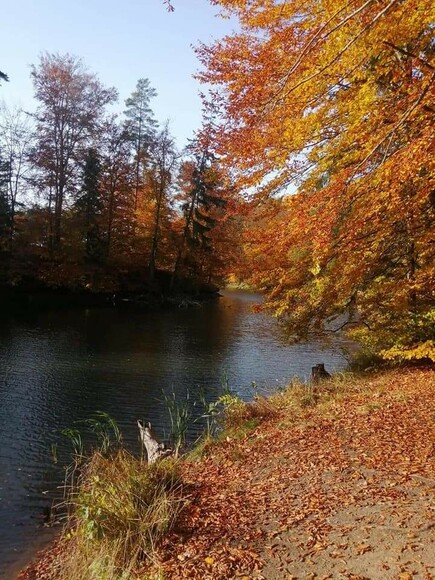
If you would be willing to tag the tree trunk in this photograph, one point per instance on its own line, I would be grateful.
(154, 245)
(319, 373)
(154, 448)
(57, 225)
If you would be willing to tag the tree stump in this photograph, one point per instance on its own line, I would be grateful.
(319, 373)
(155, 449)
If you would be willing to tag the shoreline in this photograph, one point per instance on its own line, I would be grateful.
(31, 553)
(382, 394)
(64, 298)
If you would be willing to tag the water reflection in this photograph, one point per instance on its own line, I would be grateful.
(61, 366)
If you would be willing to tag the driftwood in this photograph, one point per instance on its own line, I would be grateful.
(155, 449)
(319, 373)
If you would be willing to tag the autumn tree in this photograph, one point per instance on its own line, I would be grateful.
(71, 107)
(335, 99)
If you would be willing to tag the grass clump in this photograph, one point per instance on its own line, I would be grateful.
(120, 508)
(242, 417)
(230, 417)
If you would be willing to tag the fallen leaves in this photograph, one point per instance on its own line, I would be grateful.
(244, 513)
(363, 549)
(405, 576)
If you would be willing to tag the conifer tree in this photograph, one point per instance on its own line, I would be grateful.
(89, 205)
(141, 127)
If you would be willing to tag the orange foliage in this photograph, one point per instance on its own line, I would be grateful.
(336, 98)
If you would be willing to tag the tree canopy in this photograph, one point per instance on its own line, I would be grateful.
(335, 99)
(318, 133)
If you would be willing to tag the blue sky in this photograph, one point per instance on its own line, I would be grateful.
(120, 42)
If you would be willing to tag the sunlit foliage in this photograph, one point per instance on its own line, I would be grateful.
(336, 99)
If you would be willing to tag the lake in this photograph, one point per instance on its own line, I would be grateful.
(58, 367)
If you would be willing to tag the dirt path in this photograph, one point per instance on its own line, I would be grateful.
(340, 490)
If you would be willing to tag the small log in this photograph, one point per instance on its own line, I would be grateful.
(155, 449)
(319, 373)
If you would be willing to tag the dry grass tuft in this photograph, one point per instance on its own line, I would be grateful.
(120, 509)
(237, 413)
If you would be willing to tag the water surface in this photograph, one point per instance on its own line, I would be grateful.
(58, 367)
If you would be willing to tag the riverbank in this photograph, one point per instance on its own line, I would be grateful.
(330, 482)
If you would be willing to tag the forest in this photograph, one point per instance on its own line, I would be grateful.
(311, 180)
(99, 203)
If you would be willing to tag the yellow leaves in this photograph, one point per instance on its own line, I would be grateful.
(315, 269)
(424, 350)
(307, 56)
(324, 93)
(405, 576)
